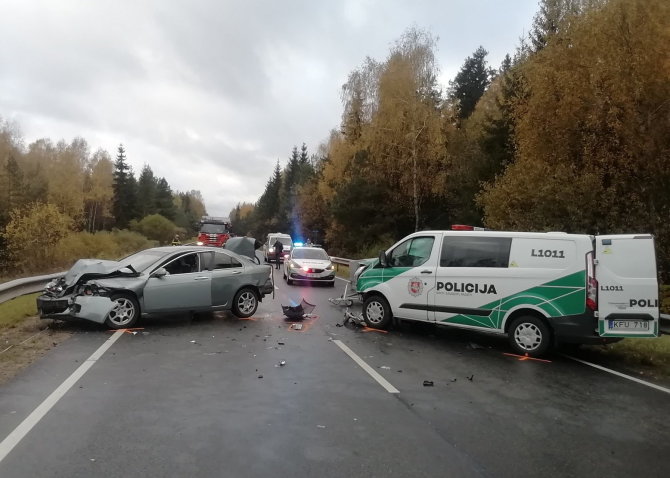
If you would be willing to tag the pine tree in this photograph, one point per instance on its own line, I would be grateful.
(122, 189)
(164, 201)
(147, 187)
(470, 83)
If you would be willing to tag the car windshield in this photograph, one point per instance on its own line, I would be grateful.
(319, 254)
(214, 229)
(142, 260)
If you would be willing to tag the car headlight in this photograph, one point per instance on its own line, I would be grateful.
(294, 265)
(331, 267)
(200, 243)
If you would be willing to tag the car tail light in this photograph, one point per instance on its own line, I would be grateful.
(591, 283)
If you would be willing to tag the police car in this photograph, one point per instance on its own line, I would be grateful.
(538, 288)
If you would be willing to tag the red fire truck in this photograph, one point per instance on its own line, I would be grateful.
(214, 231)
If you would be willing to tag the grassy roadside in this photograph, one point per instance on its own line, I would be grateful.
(23, 336)
(651, 356)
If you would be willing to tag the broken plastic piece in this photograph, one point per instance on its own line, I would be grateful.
(385, 367)
(298, 311)
(428, 383)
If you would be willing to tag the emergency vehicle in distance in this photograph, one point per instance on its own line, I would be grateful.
(214, 231)
(540, 289)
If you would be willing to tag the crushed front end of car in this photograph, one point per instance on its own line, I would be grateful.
(81, 303)
(77, 295)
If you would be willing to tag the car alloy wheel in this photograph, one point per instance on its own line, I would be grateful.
(245, 303)
(125, 312)
(376, 312)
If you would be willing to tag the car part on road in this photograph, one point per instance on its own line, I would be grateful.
(376, 312)
(428, 383)
(347, 297)
(298, 312)
(125, 312)
(530, 336)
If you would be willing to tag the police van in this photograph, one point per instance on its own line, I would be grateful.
(540, 289)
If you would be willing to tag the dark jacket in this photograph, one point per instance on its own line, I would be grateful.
(278, 247)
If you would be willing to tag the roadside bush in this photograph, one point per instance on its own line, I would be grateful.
(32, 233)
(155, 227)
(100, 245)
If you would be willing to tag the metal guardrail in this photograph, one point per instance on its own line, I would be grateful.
(28, 285)
(340, 261)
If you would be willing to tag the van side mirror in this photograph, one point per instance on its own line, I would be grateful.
(383, 260)
(160, 272)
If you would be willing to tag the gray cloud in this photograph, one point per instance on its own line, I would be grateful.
(211, 93)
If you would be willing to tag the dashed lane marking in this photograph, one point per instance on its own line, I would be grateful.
(380, 380)
(13, 439)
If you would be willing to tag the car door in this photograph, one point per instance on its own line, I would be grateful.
(470, 271)
(184, 287)
(409, 276)
(227, 275)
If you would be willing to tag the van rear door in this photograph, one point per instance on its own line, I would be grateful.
(627, 286)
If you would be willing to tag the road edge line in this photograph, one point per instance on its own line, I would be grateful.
(619, 374)
(15, 437)
(361, 363)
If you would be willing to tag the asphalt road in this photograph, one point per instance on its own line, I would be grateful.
(209, 398)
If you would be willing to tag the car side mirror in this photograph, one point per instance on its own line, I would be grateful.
(160, 273)
(383, 260)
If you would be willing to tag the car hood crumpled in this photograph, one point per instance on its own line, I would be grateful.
(92, 268)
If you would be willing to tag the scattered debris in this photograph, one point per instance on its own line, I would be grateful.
(475, 346)
(296, 326)
(339, 325)
(399, 371)
(92, 459)
(260, 376)
(470, 377)
(428, 383)
(453, 380)
(385, 367)
(298, 311)
(281, 343)
(321, 426)
(282, 363)
(193, 342)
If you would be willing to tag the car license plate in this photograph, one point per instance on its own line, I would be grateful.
(312, 275)
(629, 325)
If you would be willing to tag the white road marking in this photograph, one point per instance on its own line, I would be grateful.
(381, 380)
(619, 374)
(33, 419)
(345, 280)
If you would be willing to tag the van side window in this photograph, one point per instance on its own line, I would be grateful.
(412, 253)
(464, 251)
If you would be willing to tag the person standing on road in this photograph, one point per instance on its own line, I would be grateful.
(279, 249)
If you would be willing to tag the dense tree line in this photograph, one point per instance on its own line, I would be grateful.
(569, 133)
(49, 192)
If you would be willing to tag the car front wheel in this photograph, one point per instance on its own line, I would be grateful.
(125, 313)
(245, 303)
(376, 312)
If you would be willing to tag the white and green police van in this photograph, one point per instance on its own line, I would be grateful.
(539, 288)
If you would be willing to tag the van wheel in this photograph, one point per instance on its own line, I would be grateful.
(376, 312)
(529, 335)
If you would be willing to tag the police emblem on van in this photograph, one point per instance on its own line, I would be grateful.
(415, 286)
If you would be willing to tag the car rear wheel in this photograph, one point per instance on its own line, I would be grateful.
(125, 313)
(530, 336)
(376, 312)
(245, 303)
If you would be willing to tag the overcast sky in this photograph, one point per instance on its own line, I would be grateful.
(210, 93)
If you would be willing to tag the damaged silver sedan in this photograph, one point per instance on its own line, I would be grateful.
(159, 281)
